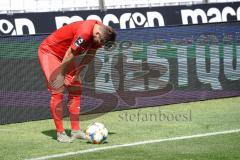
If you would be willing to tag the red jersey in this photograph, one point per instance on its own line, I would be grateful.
(78, 35)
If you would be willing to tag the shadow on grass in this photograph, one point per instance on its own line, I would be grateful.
(52, 133)
(105, 142)
(110, 133)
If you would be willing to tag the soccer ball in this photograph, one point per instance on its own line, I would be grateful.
(96, 133)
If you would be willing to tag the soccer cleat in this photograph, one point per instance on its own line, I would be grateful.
(79, 134)
(62, 137)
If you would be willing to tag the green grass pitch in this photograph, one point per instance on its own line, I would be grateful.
(36, 139)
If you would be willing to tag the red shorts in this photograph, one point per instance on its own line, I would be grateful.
(50, 65)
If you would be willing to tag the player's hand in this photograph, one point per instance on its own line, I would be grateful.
(76, 77)
(58, 82)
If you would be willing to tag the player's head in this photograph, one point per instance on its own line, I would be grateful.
(104, 35)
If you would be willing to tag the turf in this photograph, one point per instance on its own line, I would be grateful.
(36, 139)
(220, 147)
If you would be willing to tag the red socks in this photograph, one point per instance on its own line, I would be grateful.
(56, 108)
(74, 111)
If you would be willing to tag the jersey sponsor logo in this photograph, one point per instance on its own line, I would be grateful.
(79, 42)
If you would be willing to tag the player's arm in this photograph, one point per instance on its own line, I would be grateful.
(67, 60)
(88, 58)
(85, 61)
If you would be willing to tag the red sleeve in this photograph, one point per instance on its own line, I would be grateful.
(80, 40)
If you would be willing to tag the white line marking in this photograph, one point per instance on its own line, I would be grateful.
(135, 144)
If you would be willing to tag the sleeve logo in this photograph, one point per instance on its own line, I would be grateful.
(79, 42)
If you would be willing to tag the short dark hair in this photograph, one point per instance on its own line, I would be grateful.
(108, 34)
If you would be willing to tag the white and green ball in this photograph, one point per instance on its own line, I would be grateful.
(96, 133)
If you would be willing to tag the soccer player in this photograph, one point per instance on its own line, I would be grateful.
(56, 56)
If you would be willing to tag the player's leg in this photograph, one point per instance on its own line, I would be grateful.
(50, 65)
(74, 111)
(74, 103)
(57, 112)
(74, 107)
